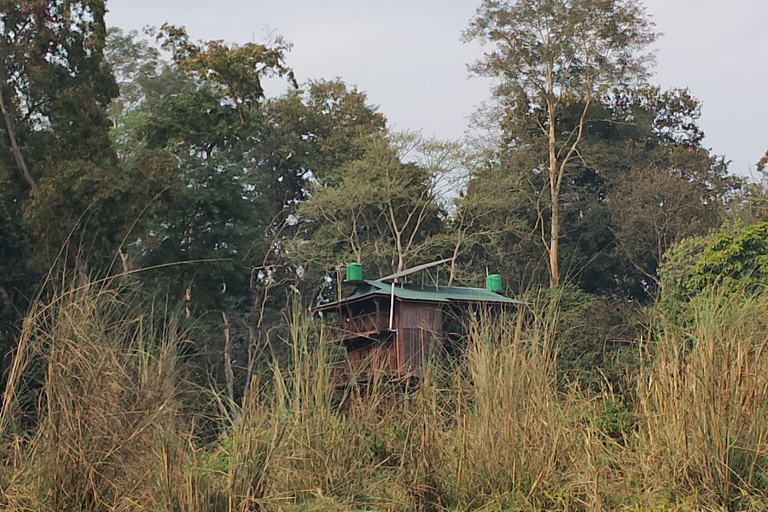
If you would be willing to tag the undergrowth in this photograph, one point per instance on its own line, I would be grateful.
(98, 416)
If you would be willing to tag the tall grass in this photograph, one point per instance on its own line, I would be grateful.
(493, 431)
(520, 440)
(97, 416)
(704, 401)
(91, 387)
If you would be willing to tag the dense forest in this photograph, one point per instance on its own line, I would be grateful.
(166, 228)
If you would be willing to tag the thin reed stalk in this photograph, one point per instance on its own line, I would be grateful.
(91, 386)
(704, 401)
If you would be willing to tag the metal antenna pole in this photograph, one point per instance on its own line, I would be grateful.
(392, 306)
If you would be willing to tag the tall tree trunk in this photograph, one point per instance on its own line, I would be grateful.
(182, 304)
(554, 243)
(228, 373)
(554, 194)
(22, 165)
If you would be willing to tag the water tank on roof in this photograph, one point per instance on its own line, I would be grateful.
(354, 272)
(493, 283)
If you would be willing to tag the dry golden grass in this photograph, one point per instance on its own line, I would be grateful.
(94, 419)
(91, 389)
(704, 403)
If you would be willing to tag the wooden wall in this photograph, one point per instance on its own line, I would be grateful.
(418, 325)
(373, 355)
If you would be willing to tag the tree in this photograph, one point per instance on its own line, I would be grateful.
(55, 89)
(56, 163)
(653, 210)
(550, 54)
(306, 134)
(234, 166)
(56, 99)
(733, 260)
(671, 189)
(55, 80)
(195, 120)
(377, 210)
(638, 148)
(54, 96)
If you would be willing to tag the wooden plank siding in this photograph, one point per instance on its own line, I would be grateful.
(365, 319)
(371, 347)
(418, 331)
(376, 355)
(426, 325)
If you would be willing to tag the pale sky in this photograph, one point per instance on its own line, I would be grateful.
(408, 57)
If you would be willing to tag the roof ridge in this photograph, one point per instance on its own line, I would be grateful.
(427, 293)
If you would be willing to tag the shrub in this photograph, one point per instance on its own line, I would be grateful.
(703, 402)
(734, 260)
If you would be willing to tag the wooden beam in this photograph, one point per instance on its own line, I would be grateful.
(413, 270)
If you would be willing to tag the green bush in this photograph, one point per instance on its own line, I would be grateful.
(734, 260)
(594, 336)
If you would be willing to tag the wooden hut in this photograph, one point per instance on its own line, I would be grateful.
(393, 326)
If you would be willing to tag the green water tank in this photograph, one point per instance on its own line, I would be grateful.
(354, 272)
(493, 283)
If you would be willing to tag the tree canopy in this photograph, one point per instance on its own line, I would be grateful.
(549, 55)
(163, 158)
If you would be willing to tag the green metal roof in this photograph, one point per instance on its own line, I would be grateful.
(426, 293)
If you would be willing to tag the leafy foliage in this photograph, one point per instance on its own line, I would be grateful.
(165, 162)
(635, 192)
(377, 208)
(550, 55)
(164, 159)
(734, 260)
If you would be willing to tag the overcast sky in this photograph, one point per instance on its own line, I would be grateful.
(408, 57)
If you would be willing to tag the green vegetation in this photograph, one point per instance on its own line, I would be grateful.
(166, 225)
(496, 431)
(733, 260)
